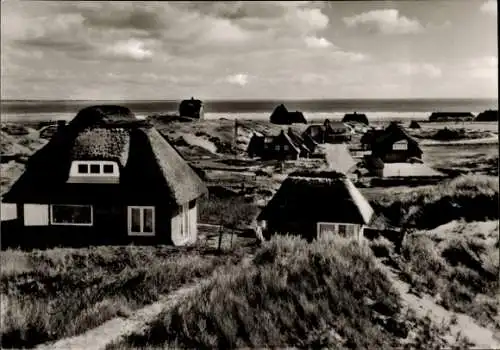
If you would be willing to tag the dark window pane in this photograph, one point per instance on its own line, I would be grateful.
(95, 168)
(108, 169)
(135, 220)
(148, 220)
(83, 168)
(342, 230)
(71, 214)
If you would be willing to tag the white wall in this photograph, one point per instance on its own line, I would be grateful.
(180, 238)
(36, 215)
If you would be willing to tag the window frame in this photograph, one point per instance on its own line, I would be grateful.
(350, 229)
(141, 209)
(52, 222)
(94, 166)
(398, 145)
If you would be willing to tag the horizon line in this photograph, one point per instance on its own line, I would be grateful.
(262, 100)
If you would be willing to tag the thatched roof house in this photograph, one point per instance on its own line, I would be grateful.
(108, 177)
(487, 116)
(317, 204)
(414, 125)
(329, 132)
(450, 116)
(282, 116)
(395, 145)
(355, 118)
(284, 146)
(192, 108)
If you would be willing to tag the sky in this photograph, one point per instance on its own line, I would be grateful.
(248, 50)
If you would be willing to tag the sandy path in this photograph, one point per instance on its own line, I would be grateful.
(118, 328)
(481, 337)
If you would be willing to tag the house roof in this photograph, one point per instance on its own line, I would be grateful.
(355, 117)
(393, 133)
(281, 115)
(150, 165)
(290, 141)
(488, 115)
(297, 140)
(326, 196)
(338, 158)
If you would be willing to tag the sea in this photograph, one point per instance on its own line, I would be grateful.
(333, 109)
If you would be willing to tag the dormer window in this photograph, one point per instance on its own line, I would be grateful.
(94, 171)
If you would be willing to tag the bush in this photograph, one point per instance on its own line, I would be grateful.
(63, 292)
(289, 295)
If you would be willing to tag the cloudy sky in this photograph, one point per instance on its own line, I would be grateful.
(249, 50)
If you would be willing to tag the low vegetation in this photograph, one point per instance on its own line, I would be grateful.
(291, 294)
(468, 197)
(47, 295)
(458, 264)
(451, 134)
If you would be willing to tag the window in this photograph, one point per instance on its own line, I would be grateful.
(141, 221)
(95, 169)
(83, 168)
(326, 230)
(277, 147)
(70, 214)
(400, 145)
(107, 169)
(286, 148)
(342, 230)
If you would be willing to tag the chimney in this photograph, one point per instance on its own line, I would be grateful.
(61, 124)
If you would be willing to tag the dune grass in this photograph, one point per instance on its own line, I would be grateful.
(47, 295)
(324, 294)
(457, 264)
(468, 197)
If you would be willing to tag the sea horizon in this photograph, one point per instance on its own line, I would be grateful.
(380, 109)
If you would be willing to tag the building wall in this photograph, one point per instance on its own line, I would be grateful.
(184, 225)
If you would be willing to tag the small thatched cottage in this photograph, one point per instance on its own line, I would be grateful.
(451, 116)
(317, 205)
(355, 118)
(284, 146)
(395, 145)
(282, 116)
(192, 108)
(414, 125)
(329, 132)
(106, 177)
(487, 116)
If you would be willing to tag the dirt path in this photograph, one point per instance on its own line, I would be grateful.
(481, 337)
(118, 328)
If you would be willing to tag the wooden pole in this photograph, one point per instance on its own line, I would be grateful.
(220, 237)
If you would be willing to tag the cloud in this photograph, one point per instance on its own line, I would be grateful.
(483, 68)
(133, 49)
(387, 21)
(489, 7)
(421, 69)
(317, 43)
(238, 79)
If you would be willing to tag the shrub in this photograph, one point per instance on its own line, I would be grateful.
(289, 295)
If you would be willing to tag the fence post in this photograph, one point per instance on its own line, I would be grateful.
(220, 238)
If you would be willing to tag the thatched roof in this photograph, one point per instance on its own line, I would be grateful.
(298, 141)
(318, 196)
(102, 144)
(190, 108)
(487, 116)
(414, 125)
(450, 115)
(281, 115)
(393, 133)
(152, 170)
(355, 117)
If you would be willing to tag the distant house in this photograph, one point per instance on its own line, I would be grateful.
(329, 132)
(280, 147)
(106, 177)
(192, 108)
(355, 118)
(282, 116)
(395, 145)
(414, 125)
(487, 116)
(317, 205)
(451, 116)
